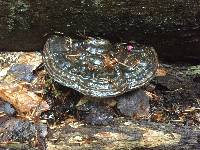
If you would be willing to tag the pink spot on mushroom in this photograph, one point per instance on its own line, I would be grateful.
(129, 48)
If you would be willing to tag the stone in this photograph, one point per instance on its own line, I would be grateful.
(134, 104)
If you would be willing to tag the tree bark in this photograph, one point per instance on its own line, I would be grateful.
(171, 26)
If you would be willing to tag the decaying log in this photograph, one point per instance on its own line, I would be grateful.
(125, 134)
(171, 26)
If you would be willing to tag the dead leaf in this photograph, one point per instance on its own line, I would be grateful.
(161, 72)
(153, 96)
(22, 99)
(158, 116)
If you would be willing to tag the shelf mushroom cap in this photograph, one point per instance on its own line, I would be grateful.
(97, 68)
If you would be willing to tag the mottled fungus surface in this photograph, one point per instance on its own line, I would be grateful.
(95, 67)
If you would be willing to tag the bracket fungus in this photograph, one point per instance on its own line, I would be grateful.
(97, 68)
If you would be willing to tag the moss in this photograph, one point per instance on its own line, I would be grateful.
(193, 70)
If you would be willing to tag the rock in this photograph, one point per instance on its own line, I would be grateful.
(20, 130)
(7, 108)
(96, 114)
(134, 104)
(22, 72)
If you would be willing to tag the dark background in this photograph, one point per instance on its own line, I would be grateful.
(172, 27)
